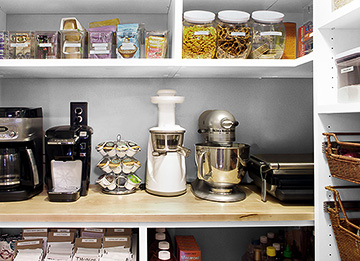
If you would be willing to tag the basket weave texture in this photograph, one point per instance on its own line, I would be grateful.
(347, 240)
(343, 167)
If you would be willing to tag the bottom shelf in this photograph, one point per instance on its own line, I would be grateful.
(215, 243)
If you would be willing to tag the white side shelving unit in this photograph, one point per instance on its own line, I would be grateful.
(27, 15)
(334, 32)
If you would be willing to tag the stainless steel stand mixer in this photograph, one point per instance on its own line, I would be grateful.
(165, 168)
(220, 161)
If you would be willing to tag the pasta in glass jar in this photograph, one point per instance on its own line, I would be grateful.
(199, 35)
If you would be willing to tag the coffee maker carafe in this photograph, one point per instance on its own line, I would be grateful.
(220, 161)
(67, 159)
(166, 170)
(21, 151)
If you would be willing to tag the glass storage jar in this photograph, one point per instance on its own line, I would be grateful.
(234, 35)
(268, 35)
(199, 35)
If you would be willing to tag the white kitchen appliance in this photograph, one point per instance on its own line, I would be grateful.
(166, 170)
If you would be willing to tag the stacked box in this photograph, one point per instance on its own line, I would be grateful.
(187, 248)
(305, 39)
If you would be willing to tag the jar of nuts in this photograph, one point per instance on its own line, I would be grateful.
(234, 35)
(268, 35)
(199, 35)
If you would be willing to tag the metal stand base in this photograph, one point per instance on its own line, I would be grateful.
(202, 190)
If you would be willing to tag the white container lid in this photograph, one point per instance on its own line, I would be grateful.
(233, 16)
(197, 16)
(164, 245)
(160, 236)
(164, 255)
(267, 16)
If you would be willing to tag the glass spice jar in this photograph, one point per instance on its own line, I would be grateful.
(199, 35)
(234, 35)
(268, 35)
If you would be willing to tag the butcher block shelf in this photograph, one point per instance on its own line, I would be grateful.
(142, 207)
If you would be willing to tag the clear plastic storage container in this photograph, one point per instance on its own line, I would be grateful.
(73, 44)
(348, 67)
(268, 35)
(47, 45)
(234, 35)
(4, 42)
(199, 35)
(101, 42)
(21, 45)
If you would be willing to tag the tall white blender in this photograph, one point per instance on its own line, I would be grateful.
(166, 170)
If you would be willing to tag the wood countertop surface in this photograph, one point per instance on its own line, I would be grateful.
(143, 207)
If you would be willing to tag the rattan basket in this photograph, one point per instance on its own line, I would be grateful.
(347, 240)
(343, 167)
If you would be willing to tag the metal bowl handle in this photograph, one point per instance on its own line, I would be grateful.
(201, 174)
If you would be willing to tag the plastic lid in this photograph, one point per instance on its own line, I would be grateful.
(160, 236)
(263, 239)
(164, 245)
(232, 16)
(270, 234)
(160, 230)
(287, 252)
(164, 255)
(267, 16)
(201, 17)
(270, 251)
(277, 246)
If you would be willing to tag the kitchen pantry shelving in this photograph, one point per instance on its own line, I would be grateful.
(334, 32)
(158, 14)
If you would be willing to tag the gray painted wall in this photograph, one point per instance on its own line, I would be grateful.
(275, 115)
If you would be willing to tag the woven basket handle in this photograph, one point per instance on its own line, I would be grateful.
(334, 134)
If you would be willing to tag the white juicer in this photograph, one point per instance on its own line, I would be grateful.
(166, 170)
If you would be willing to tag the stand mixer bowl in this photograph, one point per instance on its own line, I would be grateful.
(221, 167)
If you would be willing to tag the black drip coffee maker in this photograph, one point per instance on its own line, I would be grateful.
(21, 151)
(67, 157)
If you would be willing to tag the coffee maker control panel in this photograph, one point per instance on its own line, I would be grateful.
(8, 132)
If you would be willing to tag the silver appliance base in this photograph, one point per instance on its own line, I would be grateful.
(202, 190)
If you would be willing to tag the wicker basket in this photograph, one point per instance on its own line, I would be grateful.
(347, 240)
(343, 167)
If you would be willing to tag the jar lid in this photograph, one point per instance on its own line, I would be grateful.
(232, 16)
(160, 236)
(270, 251)
(164, 245)
(267, 16)
(197, 16)
(164, 255)
(263, 239)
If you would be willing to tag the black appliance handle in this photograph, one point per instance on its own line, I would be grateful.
(33, 166)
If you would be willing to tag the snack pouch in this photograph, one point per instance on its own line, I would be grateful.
(127, 41)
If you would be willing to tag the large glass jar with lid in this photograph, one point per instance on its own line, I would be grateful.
(234, 35)
(268, 35)
(199, 35)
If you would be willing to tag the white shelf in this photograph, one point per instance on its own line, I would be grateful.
(339, 108)
(346, 17)
(166, 68)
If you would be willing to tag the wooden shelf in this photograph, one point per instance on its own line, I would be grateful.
(143, 207)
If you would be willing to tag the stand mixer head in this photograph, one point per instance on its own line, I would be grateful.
(220, 161)
(166, 171)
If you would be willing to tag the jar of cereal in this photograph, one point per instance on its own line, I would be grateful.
(199, 35)
(268, 35)
(234, 35)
